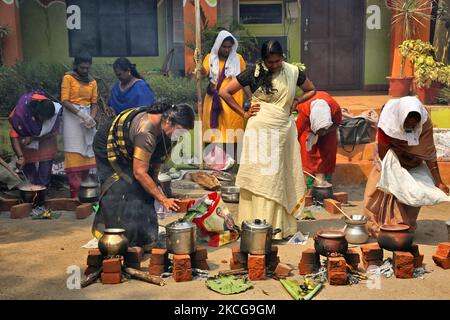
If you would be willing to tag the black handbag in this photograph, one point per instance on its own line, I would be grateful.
(353, 131)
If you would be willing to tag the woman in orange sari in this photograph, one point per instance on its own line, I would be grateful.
(404, 127)
(318, 119)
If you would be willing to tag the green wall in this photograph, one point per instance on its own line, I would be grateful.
(377, 48)
(45, 36)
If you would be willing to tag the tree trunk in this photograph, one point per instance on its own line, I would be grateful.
(441, 34)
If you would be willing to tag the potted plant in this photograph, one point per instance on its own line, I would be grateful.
(429, 74)
(4, 31)
(407, 14)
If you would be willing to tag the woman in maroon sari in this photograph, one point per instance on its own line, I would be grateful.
(35, 124)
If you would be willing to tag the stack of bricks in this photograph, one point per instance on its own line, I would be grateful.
(352, 258)
(272, 259)
(199, 257)
(310, 262)
(403, 264)
(238, 259)
(337, 271)
(20, 211)
(256, 267)
(372, 255)
(94, 261)
(182, 268)
(341, 197)
(133, 257)
(112, 271)
(159, 262)
(442, 255)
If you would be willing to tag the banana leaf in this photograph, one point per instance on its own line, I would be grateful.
(227, 285)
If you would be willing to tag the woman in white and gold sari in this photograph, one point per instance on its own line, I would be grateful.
(270, 174)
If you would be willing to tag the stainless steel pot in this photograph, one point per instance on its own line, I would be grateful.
(230, 194)
(356, 231)
(256, 236)
(181, 237)
(89, 191)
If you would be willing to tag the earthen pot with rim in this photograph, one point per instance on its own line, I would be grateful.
(330, 243)
(395, 237)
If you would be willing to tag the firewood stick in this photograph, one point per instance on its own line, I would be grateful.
(91, 278)
(145, 276)
(233, 272)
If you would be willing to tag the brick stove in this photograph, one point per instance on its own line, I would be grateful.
(182, 264)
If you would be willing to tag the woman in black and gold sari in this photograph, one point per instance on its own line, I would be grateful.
(129, 153)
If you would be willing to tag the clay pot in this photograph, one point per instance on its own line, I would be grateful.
(395, 237)
(330, 243)
(399, 87)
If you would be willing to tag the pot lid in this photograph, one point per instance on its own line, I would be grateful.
(180, 225)
(256, 224)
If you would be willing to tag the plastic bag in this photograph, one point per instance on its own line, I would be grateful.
(218, 159)
(214, 220)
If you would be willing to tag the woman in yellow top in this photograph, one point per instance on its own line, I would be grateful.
(221, 65)
(79, 98)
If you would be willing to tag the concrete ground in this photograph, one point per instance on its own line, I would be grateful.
(35, 255)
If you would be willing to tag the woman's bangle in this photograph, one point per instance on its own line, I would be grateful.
(433, 168)
(20, 157)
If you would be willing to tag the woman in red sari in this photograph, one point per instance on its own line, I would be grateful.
(318, 119)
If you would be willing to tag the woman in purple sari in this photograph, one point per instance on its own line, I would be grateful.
(35, 125)
(131, 90)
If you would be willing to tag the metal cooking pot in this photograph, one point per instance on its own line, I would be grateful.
(356, 231)
(321, 193)
(89, 191)
(33, 194)
(256, 236)
(113, 243)
(181, 237)
(230, 193)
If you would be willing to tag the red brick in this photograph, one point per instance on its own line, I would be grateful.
(372, 252)
(236, 265)
(182, 275)
(184, 205)
(113, 265)
(62, 204)
(337, 264)
(403, 264)
(83, 211)
(310, 256)
(94, 259)
(342, 197)
(257, 267)
(308, 201)
(20, 211)
(442, 262)
(330, 208)
(159, 256)
(156, 269)
(305, 268)
(7, 204)
(443, 249)
(200, 254)
(337, 278)
(181, 261)
(133, 255)
(352, 257)
(369, 263)
(94, 251)
(282, 270)
(238, 256)
(418, 261)
(200, 264)
(90, 270)
(256, 274)
(111, 278)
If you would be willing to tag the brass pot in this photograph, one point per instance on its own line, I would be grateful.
(395, 237)
(330, 242)
(113, 243)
